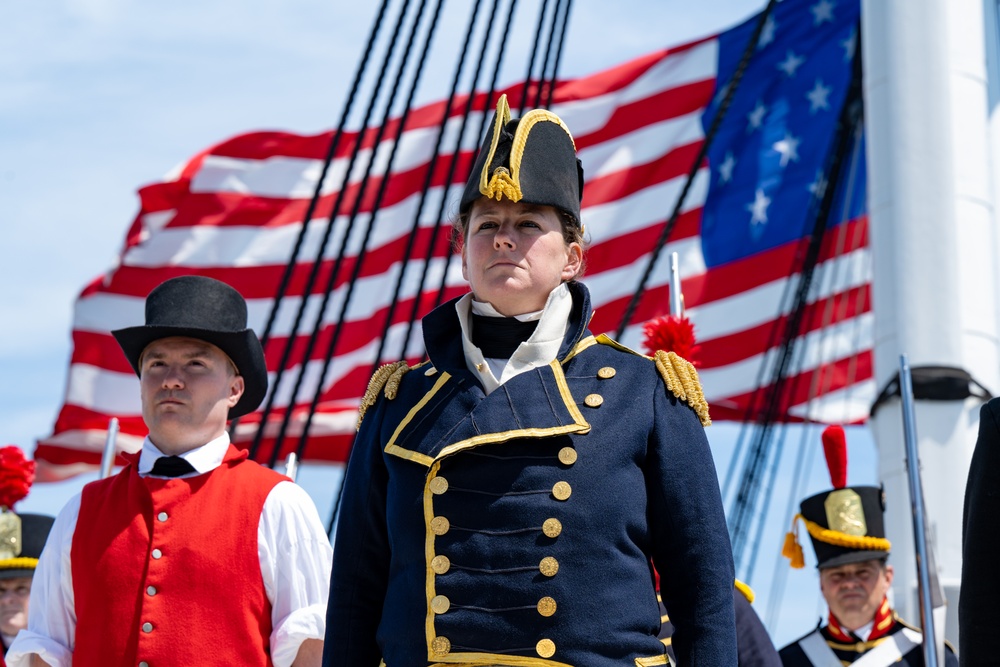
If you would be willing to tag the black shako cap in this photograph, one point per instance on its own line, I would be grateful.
(209, 310)
(34, 531)
(814, 508)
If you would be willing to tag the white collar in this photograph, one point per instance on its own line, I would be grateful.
(539, 350)
(204, 459)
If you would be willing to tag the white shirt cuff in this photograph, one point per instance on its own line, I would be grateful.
(28, 643)
(302, 624)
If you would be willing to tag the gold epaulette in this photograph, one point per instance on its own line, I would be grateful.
(681, 379)
(386, 377)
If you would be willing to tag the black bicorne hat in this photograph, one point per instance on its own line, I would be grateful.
(209, 310)
(846, 523)
(531, 160)
(19, 556)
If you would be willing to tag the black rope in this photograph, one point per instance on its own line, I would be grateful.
(668, 228)
(369, 225)
(286, 275)
(846, 125)
(550, 41)
(555, 68)
(320, 253)
(533, 54)
(446, 185)
(443, 285)
(780, 566)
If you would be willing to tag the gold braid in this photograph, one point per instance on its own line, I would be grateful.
(839, 539)
(387, 376)
(681, 379)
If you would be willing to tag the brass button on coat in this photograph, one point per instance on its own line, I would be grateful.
(593, 400)
(549, 566)
(440, 525)
(567, 456)
(562, 490)
(552, 527)
(440, 646)
(546, 648)
(546, 606)
(439, 485)
(440, 564)
(606, 373)
(440, 604)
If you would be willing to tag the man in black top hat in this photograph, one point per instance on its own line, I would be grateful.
(192, 554)
(845, 525)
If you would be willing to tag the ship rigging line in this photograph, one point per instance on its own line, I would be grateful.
(668, 227)
(318, 262)
(286, 275)
(740, 516)
(364, 246)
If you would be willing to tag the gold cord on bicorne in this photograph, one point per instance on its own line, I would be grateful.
(792, 550)
(681, 379)
(386, 377)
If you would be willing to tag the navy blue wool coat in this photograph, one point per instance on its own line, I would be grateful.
(518, 528)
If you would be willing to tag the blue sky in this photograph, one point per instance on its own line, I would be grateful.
(104, 96)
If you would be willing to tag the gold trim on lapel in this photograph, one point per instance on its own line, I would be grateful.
(393, 448)
(580, 347)
(579, 425)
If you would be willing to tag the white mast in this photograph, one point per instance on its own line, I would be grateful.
(934, 247)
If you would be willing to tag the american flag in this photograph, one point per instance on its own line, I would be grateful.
(234, 212)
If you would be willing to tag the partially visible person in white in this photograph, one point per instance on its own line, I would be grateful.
(164, 546)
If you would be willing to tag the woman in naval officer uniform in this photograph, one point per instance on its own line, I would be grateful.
(505, 499)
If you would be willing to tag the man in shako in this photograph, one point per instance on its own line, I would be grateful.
(504, 500)
(192, 554)
(846, 527)
(22, 537)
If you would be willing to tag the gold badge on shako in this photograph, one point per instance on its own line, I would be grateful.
(10, 535)
(844, 513)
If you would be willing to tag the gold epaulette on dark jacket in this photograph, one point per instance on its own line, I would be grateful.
(682, 381)
(386, 377)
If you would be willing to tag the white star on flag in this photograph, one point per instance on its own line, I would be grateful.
(758, 209)
(818, 186)
(817, 97)
(767, 32)
(822, 12)
(756, 117)
(849, 45)
(791, 63)
(726, 168)
(789, 149)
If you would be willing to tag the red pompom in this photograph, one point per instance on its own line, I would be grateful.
(16, 475)
(671, 334)
(835, 448)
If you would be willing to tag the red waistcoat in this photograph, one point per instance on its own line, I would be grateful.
(166, 571)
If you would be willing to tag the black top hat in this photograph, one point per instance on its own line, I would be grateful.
(209, 310)
(531, 160)
(22, 559)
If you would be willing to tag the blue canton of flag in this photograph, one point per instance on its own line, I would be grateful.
(769, 155)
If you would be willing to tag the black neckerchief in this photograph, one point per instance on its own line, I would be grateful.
(498, 337)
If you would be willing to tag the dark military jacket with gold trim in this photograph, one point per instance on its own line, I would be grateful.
(794, 655)
(517, 528)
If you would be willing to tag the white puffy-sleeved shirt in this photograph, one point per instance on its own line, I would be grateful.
(292, 545)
